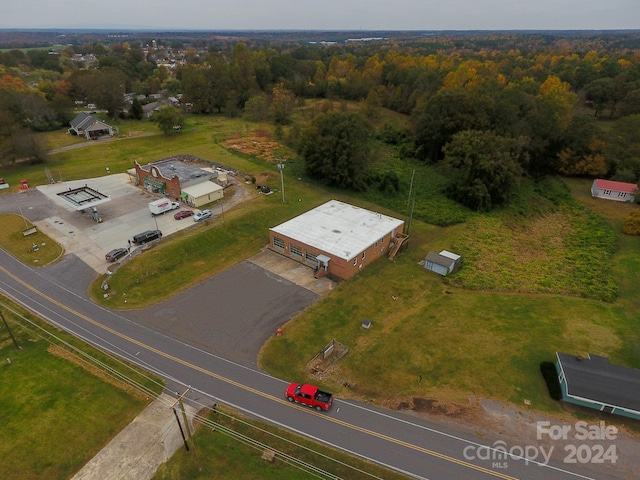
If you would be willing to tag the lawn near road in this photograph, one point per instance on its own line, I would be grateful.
(57, 411)
(565, 280)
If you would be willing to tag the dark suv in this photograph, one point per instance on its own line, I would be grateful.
(147, 236)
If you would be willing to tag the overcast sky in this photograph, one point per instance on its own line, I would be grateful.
(323, 14)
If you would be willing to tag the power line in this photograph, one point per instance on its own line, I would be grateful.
(85, 357)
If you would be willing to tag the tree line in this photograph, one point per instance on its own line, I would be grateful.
(488, 108)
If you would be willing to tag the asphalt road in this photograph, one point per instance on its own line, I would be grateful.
(408, 444)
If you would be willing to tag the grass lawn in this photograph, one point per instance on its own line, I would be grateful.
(21, 246)
(57, 411)
(537, 277)
(461, 342)
(221, 455)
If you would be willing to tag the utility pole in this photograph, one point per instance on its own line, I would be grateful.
(186, 424)
(409, 199)
(10, 332)
(184, 439)
(281, 168)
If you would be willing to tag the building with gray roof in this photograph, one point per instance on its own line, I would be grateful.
(595, 383)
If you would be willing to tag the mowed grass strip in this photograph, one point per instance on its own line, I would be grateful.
(56, 414)
(221, 456)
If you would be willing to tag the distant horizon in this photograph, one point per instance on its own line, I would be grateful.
(328, 15)
(175, 29)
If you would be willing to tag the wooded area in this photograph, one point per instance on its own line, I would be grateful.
(489, 107)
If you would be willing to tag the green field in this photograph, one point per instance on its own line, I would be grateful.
(59, 408)
(226, 445)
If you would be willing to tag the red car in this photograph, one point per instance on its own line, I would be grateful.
(309, 395)
(183, 214)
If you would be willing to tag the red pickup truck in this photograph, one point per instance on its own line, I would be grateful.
(309, 395)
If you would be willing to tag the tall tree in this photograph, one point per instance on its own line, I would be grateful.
(623, 149)
(447, 113)
(136, 109)
(282, 104)
(336, 147)
(169, 119)
(485, 168)
(601, 95)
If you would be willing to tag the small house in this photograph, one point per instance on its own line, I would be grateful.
(443, 263)
(89, 127)
(594, 382)
(150, 108)
(609, 189)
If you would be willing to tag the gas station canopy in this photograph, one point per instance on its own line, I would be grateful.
(83, 197)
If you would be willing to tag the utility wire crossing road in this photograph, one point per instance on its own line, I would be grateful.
(406, 444)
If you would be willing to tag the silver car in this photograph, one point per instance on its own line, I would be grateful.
(201, 215)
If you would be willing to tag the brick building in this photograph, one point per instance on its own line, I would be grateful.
(337, 238)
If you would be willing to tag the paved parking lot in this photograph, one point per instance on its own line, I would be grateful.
(231, 314)
(126, 214)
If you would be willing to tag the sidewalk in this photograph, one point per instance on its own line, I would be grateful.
(138, 450)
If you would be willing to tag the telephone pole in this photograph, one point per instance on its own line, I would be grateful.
(10, 332)
(281, 168)
(187, 427)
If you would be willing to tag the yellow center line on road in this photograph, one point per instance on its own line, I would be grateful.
(257, 392)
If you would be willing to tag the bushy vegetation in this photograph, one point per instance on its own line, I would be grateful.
(631, 224)
(560, 249)
(518, 93)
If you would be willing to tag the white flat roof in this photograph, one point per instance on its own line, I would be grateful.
(201, 189)
(340, 229)
(452, 256)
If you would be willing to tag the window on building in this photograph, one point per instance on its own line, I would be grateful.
(363, 254)
(355, 261)
(310, 258)
(278, 243)
(295, 250)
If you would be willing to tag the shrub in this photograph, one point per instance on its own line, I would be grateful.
(631, 224)
(550, 374)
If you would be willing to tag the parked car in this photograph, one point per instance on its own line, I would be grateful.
(115, 254)
(183, 214)
(201, 215)
(147, 236)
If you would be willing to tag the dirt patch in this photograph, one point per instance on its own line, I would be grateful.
(258, 146)
(323, 361)
(436, 407)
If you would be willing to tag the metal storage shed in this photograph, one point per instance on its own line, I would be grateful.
(442, 263)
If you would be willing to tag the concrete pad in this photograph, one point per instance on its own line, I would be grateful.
(125, 215)
(293, 271)
(138, 450)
